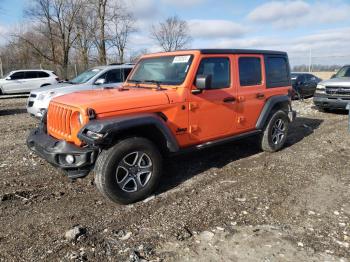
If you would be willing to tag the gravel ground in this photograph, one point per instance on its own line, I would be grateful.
(229, 203)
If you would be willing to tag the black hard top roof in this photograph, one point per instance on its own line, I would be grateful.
(240, 51)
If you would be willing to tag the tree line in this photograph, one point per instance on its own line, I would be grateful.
(65, 32)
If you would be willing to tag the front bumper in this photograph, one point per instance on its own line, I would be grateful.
(36, 107)
(55, 151)
(333, 102)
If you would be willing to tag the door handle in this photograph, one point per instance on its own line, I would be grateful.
(229, 99)
(260, 95)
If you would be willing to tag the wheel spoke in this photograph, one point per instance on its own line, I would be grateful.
(275, 139)
(131, 159)
(143, 178)
(119, 173)
(144, 161)
(125, 185)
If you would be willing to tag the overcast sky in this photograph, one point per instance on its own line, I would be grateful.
(293, 26)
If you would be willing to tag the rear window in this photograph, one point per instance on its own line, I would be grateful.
(249, 71)
(277, 71)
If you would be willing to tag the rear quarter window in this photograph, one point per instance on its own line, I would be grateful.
(277, 71)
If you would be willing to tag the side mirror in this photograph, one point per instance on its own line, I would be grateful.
(333, 76)
(8, 78)
(100, 81)
(299, 83)
(203, 82)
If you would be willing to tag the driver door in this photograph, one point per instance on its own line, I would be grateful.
(15, 83)
(211, 111)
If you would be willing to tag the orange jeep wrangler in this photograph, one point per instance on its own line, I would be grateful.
(171, 103)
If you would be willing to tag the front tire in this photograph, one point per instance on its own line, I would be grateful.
(129, 171)
(275, 133)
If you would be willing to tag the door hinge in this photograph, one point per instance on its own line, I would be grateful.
(241, 119)
(193, 129)
(193, 106)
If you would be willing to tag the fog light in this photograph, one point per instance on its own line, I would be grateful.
(70, 159)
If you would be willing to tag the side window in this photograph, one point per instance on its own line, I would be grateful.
(31, 74)
(114, 76)
(302, 78)
(249, 71)
(126, 73)
(42, 74)
(17, 76)
(219, 69)
(277, 71)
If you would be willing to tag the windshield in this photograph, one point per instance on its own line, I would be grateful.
(344, 72)
(168, 70)
(86, 76)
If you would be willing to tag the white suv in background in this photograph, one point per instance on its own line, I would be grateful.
(24, 81)
(98, 77)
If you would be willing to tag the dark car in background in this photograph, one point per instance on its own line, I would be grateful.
(304, 84)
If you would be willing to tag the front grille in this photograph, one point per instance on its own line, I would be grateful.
(58, 120)
(30, 103)
(33, 95)
(338, 90)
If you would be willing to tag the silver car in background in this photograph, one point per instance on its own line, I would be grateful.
(98, 77)
(335, 92)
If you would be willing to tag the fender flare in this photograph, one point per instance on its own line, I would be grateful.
(111, 127)
(269, 105)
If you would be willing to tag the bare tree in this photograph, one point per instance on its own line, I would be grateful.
(85, 28)
(122, 25)
(55, 21)
(100, 35)
(171, 34)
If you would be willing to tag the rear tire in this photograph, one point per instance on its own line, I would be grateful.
(129, 171)
(275, 132)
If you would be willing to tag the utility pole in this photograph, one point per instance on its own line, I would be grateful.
(310, 60)
(1, 70)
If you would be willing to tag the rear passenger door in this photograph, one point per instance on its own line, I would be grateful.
(31, 81)
(250, 90)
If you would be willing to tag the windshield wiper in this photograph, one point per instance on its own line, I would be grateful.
(138, 82)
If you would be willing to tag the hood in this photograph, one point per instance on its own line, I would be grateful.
(111, 100)
(339, 81)
(50, 88)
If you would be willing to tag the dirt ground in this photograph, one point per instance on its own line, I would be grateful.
(229, 203)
